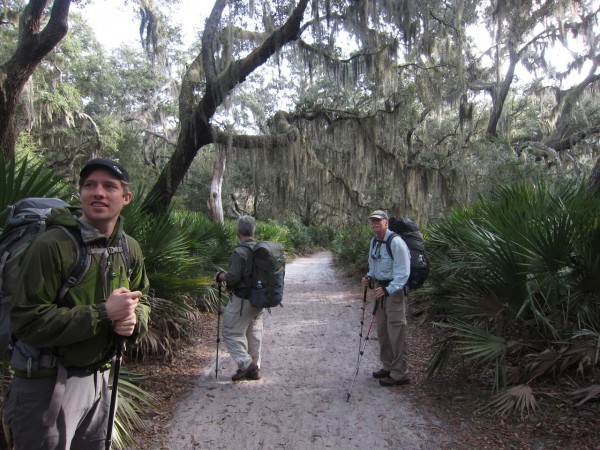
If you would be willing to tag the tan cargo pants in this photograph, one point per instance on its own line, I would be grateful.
(242, 331)
(391, 333)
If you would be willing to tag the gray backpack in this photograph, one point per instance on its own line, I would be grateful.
(26, 221)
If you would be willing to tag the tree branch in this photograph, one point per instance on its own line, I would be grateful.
(247, 141)
(32, 47)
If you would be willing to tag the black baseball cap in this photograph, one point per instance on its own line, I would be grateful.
(101, 163)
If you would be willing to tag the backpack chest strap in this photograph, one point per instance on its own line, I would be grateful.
(388, 243)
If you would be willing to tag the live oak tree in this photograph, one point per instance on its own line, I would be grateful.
(35, 40)
(392, 84)
(220, 72)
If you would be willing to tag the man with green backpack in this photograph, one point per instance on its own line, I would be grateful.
(59, 397)
(242, 322)
(255, 280)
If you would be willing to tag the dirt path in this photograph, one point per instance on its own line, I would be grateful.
(310, 352)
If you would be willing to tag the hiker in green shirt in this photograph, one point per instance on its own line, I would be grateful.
(59, 397)
(242, 323)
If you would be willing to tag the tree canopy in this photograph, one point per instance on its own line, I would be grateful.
(324, 108)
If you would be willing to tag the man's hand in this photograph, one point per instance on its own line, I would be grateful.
(120, 307)
(379, 292)
(126, 327)
(220, 277)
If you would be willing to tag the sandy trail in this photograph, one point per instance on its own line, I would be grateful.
(310, 352)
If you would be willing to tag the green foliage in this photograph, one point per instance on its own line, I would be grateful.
(211, 242)
(64, 98)
(351, 246)
(518, 270)
(172, 322)
(168, 257)
(273, 231)
(26, 148)
(321, 236)
(299, 235)
(19, 179)
(130, 415)
(182, 252)
(306, 239)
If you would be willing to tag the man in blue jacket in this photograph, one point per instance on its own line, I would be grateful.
(388, 273)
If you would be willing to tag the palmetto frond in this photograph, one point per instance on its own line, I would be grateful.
(519, 270)
(172, 320)
(586, 394)
(517, 398)
(133, 402)
(555, 361)
(20, 179)
(479, 345)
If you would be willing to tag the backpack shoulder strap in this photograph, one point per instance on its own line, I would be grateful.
(84, 258)
(125, 254)
(250, 268)
(388, 243)
(82, 264)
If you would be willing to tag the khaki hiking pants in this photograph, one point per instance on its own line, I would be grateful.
(391, 333)
(82, 421)
(242, 331)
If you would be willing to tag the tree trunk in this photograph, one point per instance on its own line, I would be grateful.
(196, 130)
(558, 140)
(32, 47)
(215, 203)
(593, 185)
(499, 95)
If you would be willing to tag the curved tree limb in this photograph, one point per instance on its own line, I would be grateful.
(195, 125)
(251, 141)
(569, 99)
(33, 45)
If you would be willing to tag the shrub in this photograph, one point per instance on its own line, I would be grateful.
(351, 246)
(514, 282)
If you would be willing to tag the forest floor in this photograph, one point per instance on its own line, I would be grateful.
(196, 410)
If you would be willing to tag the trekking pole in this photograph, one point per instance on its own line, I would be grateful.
(362, 351)
(362, 320)
(120, 342)
(218, 334)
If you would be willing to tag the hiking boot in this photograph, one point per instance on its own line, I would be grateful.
(389, 381)
(243, 373)
(254, 375)
(381, 373)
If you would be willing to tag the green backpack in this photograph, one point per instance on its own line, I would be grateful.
(267, 274)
